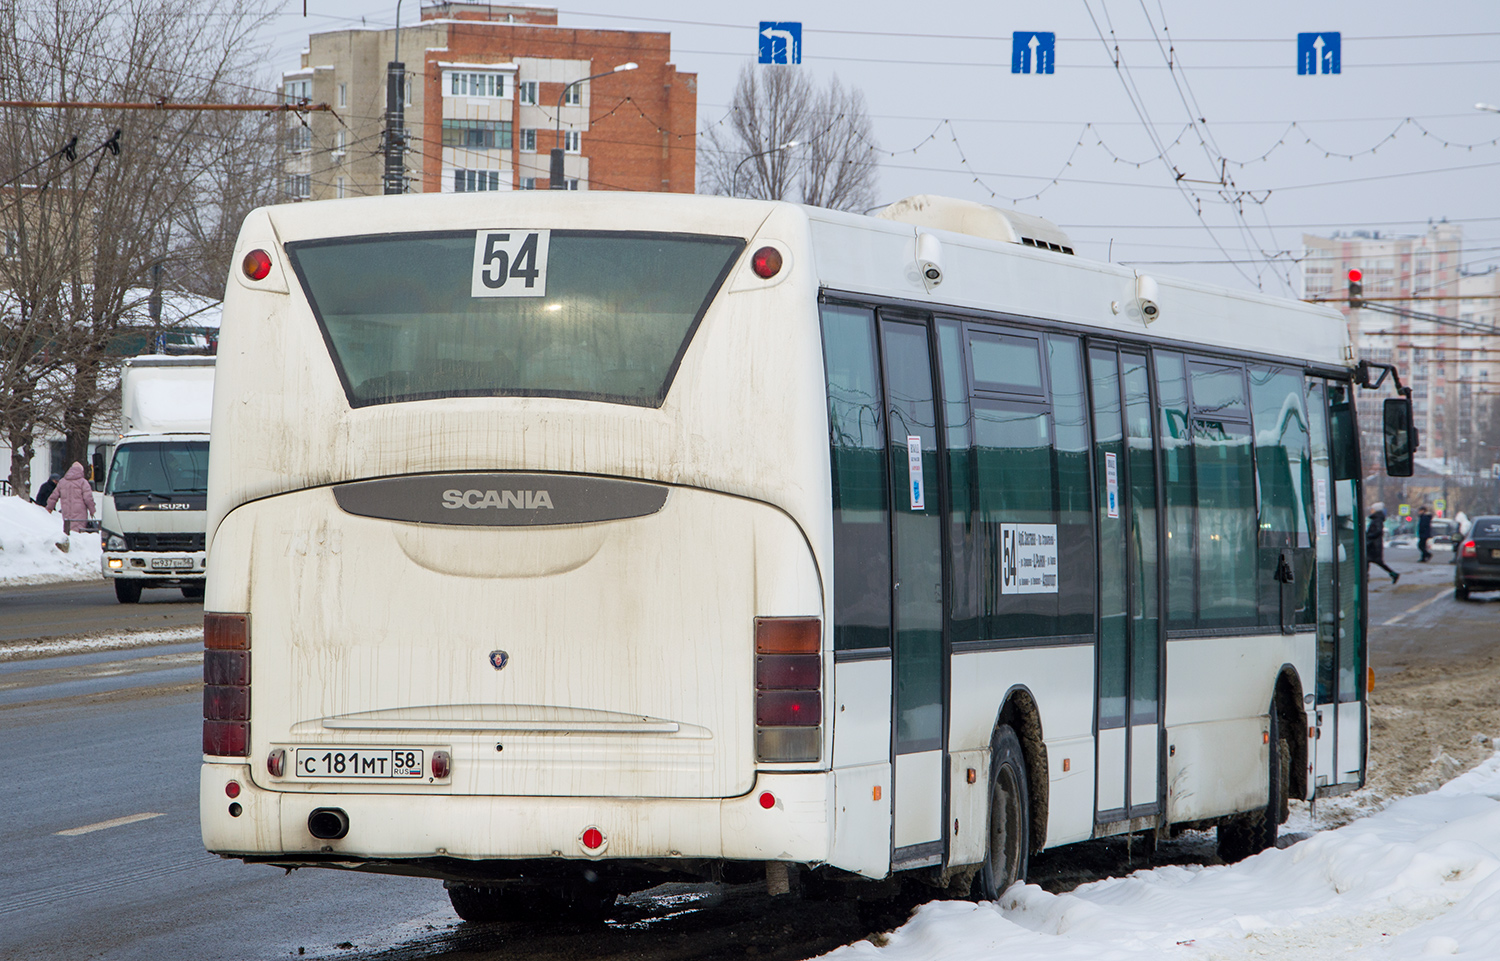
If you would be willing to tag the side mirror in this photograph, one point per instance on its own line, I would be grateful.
(98, 464)
(1400, 436)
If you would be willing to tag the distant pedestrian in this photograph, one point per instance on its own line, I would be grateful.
(1375, 540)
(45, 491)
(74, 498)
(1424, 533)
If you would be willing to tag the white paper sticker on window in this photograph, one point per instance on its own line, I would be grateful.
(1111, 485)
(1321, 490)
(1028, 558)
(510, 263)
(914, 471)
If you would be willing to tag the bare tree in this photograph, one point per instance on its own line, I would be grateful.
(139, 191)
(787, 139)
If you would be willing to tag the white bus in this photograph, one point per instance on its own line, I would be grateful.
(566, 544)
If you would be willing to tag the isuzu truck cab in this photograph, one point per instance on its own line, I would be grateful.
(155, 496)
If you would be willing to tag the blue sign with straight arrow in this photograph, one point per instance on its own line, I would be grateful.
(780, 42)
(1319, 53)
(1032, 51)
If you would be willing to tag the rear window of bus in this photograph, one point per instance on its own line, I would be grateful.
(605, 315)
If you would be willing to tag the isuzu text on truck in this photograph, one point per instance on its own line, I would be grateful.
(153, 517)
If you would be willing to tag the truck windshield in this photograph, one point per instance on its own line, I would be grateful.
(159, 467)
(588, 314)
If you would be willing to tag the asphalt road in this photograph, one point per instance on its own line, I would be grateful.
(89, 607)
(107, 742)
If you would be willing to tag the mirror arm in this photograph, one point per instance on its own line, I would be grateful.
(1362, 377)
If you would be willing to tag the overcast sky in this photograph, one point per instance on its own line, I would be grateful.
(1128, 160)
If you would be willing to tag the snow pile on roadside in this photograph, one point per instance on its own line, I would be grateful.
(1416, 879)
(55, 646)
(29, 554)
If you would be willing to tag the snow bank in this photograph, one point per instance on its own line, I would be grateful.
(1420, 878)
(29, 553)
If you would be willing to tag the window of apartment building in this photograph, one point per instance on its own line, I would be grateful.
(339, 148)
(299, 186)
(298, 91)
(477, 134)
(12, 242)
(343, 95)
(573, 96)
(339, 184)
(572, 141)
(526, 92)
(469, 84)
(571, 183)
(528, 183)
(469, 181)
(528, 140)
(299, 139)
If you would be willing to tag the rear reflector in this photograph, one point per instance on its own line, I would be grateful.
(788, 708)
(788, 672)
(222, 702)
(788, 635)
(226, 632)
(226, 738)
(226, 667)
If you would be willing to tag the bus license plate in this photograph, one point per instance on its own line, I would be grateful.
(361, 762)
(171, 563)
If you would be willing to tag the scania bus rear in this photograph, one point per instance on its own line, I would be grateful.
(516, 507)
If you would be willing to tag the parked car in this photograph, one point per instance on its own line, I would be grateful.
(1445, 533)
(1477, 563)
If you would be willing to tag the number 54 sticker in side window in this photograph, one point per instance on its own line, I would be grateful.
(510, 263)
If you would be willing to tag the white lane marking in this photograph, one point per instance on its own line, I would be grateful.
(111, 823)
(1412, 610)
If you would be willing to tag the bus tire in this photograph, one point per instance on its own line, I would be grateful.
(478, 905)
(1249, 834)
(1009, 843)
(127, 592)
(193, 592)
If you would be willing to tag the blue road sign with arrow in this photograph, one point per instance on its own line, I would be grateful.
(1319, 53)
(1032, 52)
(780, 42)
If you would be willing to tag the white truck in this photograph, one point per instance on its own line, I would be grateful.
(154, 512)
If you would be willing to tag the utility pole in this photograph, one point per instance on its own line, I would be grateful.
(394, 179)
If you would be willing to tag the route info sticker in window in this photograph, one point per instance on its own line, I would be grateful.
(1111, 485)
(1028, 558)
(510, 263)
(914, 471)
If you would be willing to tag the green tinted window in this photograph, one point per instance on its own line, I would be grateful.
(401, 321)
(1283, 466)
(1177, 484)
(1225, 524)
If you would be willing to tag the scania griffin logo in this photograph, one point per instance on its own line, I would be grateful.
(501, 500)
(498, 660)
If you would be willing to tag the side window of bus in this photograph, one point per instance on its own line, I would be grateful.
(1010, 470)
(1283, 465)
(861, 532)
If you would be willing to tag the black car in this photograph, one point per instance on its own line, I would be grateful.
(1476, 563)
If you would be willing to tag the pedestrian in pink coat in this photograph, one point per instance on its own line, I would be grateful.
(74, 498)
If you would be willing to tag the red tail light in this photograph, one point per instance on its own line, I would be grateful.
(257, 265)
(226, 685)
(1469, 550)
(442, 764)
(788, 688)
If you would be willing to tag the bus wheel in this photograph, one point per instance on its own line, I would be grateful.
(127, 592)
(193, 592)
(1009, 845)
(1252, 833)
(486, 905)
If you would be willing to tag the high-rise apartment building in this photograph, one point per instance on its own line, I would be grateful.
(1435, 357)
(481, 104)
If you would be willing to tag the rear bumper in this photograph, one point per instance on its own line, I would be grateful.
(797, 827)
(139, 565)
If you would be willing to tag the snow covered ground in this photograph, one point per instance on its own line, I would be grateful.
(29, 551)
(1416, 879)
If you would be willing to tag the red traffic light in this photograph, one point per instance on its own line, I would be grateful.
(1356, 275)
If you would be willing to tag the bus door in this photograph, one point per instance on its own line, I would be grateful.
(917, 588)
(1339, 719)
(1128, 707)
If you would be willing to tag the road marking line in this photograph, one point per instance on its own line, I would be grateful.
(112, 823)
(1412, 610)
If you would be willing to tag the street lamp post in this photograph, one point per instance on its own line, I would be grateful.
(556, 177)
(734, 181)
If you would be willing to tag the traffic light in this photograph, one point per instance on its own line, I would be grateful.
(1356, 288)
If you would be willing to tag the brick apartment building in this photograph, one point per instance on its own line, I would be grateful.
(483, 82)
(1449, 370)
